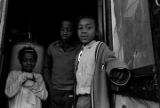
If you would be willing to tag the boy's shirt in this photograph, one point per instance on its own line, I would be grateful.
(62, 65)
(86, 68)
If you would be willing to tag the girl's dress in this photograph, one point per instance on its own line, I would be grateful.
(21, 96)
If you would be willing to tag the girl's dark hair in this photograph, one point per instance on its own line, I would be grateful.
(27, 50)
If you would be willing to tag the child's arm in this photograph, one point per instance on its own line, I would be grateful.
(39, 88)
(116, 69)
(13, 83)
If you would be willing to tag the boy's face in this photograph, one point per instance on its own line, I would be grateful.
(66, 30)
(28, 62)
(86, 30)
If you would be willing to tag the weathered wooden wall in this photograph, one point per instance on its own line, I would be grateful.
(132, 39)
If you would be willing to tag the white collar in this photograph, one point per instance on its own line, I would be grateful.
(89, 45)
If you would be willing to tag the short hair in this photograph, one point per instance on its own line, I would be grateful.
(63, 19)
(27, 50)
(89, 17)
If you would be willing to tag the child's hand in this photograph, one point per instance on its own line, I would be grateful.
(38, 83)
(35, 87)
(119, 76)
(28, 83)
(29, 75)
(24, 76)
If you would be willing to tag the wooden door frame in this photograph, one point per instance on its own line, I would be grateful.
(105, 22)
(3, 16)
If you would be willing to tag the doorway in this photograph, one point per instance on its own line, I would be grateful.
(41, 19)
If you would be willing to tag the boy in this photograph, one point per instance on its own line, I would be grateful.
(59, 67)
(94, 62)
(25, 88)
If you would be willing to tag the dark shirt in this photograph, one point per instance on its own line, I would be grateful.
(61, 65)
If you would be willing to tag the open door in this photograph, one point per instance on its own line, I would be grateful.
(37, 21)
(133, 41)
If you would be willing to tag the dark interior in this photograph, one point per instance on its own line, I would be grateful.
(42, 18)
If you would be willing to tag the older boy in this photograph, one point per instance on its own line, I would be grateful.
(59, 67)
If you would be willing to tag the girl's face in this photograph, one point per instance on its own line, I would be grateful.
(28, 62)
(86, 30)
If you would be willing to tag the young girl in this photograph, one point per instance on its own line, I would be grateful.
(95, 63)
(25, 88)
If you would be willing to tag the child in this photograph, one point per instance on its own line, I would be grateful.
(26, 88)
(59, 67)
(94, 62)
